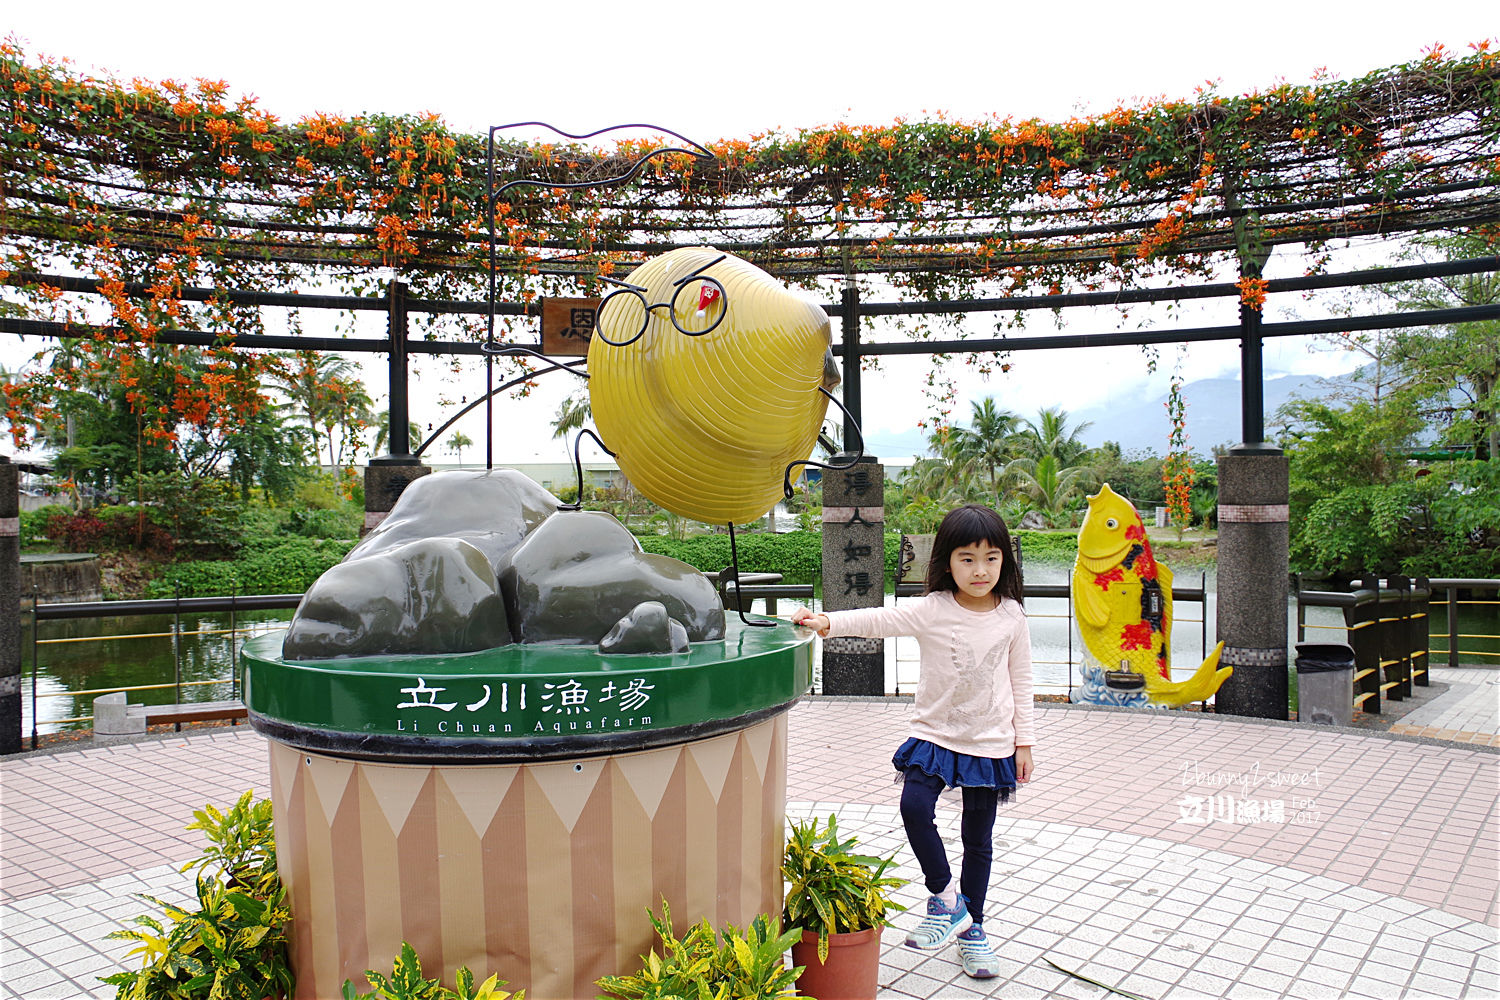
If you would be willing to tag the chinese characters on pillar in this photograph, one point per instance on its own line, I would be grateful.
(853, 537)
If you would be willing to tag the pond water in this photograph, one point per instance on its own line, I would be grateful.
(98, 654)
(87, 655)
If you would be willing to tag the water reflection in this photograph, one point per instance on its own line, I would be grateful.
(90, 654)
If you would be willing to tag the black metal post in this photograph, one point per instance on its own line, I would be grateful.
(1452, 626)
(399, 439)
(234, 641)
(849, 349)
(10, 608)
(387, 476)
(1252, 379)
(35, 598)
(177, 651)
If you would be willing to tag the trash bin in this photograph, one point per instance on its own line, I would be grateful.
(1325, 683)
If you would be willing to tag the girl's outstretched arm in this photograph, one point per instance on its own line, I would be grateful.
(818, 623)
(906, 618)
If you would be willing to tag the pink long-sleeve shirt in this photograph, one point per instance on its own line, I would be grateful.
(975, 692)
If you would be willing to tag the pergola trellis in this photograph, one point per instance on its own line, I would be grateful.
(939, 207)
(186, 211)
(161, 196)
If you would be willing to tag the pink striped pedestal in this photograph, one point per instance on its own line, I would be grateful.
(539, 872)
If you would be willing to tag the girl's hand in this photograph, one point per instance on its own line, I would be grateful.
(1024, 765)
(805, 618)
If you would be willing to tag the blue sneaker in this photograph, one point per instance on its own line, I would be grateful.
(980, 960)
(941, 924)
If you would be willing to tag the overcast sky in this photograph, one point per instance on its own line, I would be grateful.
(728, 70)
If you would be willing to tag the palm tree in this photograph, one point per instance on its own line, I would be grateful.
(350, 412)
(572, 415)
(326, 392)
(457, 443)
(1050, 435)
(943, 473)
(987, 443)
(383, 435)
(1048, 483)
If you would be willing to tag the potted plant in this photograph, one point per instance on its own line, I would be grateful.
(840, 900)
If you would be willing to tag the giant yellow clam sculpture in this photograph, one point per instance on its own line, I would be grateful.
(704, 419)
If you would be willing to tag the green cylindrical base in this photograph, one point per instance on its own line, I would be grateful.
(518, 810)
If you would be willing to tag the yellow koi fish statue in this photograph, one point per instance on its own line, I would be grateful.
(1122, 600)
(704, 422)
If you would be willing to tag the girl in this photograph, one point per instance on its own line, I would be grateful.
(972, 724)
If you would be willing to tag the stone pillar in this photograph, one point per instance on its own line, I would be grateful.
(386, 478)
(10, 608)
(854, 572)
(1253, 589)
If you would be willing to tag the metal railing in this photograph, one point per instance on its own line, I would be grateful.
(1452, 589)
(736, 595)
(233, 604)
(1387, 624)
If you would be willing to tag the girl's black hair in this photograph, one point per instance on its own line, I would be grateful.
(969, 525)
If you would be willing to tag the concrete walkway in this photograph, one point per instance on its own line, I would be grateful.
(1173, 855)
(1468, 712)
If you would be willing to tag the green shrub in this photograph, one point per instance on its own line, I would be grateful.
(261, 522)
(205, 511)
(744, 964)
(831, 889)
(323, 491)
(234, 943)
(343, 521)
(1048, 546)
(406, 982)
(34, 525)
(287, 568)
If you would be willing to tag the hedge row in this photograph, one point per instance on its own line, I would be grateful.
(287, 568)
(291, 566)
(796, 555)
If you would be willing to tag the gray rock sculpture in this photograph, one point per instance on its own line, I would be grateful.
(580, 572)
(433, 595)
(473, 560)
(647, 629)
(492, 510)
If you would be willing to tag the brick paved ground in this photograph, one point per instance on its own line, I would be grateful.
(1383, 883)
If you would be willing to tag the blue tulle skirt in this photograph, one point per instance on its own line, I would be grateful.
(957, 769)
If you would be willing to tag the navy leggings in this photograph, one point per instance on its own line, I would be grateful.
(918, 804)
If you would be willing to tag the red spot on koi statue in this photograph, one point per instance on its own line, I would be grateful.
(1136, 636)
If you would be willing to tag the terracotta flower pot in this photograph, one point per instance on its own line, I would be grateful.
(852, 971)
